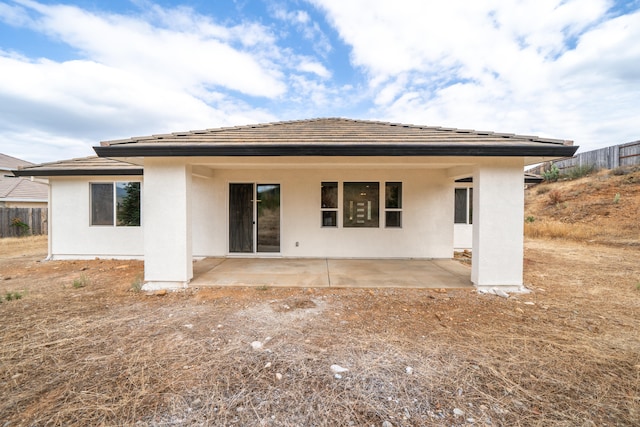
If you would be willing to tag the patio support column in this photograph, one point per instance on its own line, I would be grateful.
(166, 202)
(498, 211)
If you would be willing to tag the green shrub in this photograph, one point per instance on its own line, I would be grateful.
(529, 219)
(81, 282)
(579, 171)
(9, 296)
(23, 227)
(552, 174)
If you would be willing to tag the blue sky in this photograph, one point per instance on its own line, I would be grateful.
(74, 73)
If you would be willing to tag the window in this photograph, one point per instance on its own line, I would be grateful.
(329, 204)
(393, 204)
(361, 204)
(115, 203)
(463, 206)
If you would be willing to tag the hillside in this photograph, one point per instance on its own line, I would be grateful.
(601, 207)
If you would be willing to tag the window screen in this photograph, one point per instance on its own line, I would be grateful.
(102, 204)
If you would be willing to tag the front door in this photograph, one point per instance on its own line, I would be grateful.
(254, 218)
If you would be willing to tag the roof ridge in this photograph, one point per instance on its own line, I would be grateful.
(13, 187)
(211, 131)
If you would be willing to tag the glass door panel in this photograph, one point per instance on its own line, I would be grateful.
(268, 217)
(241, 218)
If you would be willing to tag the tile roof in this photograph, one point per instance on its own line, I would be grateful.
(92, 165)
(8, 162)
(22, 189)
(334, 136)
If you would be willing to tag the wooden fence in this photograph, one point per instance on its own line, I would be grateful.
(11, 218)
(604, 158)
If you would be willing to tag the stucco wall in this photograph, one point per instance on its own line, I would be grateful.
(427, 215)
(462, 236)
(462, 233)
(207, 199)
(72, 236)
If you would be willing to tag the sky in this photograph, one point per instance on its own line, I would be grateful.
(77, 72)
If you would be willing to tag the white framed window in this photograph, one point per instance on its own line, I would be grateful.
(463, 206)
(329, 204)
(115, 203)
(393, 205)
(361, 204)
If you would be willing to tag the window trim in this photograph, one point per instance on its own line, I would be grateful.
(335, 209)
(468, 206)
(398, 209)
(381, 206)
(114, 203)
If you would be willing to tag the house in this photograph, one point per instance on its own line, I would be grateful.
(330, 187)
(20, 192)
(463, 209)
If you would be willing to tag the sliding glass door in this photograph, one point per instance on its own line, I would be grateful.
(254, 218)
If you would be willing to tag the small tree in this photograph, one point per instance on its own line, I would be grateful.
(23, 228)
(129, 208)
(552, 174)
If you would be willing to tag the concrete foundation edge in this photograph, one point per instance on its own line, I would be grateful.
(164, 285)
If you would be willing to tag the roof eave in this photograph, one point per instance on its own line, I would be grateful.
(78, 172)
(365, 150)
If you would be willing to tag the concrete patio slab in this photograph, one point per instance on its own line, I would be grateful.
(396, 273)
(309, 273)
(339, 273)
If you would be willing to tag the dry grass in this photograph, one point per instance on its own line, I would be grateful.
(566, 354)
(563, 355)
(560, 230)
(23, 246)
(602, 207)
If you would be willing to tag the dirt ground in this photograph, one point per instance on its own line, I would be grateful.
(100, 353)
(601, 207)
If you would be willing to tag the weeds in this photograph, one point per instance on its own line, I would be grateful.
(555, 197)
(616, 199)
(136, 285)
(579, 171)
(81, 282)
(543, 190)
(529, 219)
(23, 228)
(9, 296)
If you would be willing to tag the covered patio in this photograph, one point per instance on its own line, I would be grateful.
(334, 273)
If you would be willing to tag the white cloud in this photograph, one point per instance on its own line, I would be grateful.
(185, 58)
(161, 71)
(551, 67)
(308, 65)
(303, 23)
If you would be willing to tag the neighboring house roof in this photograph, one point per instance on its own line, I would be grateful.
(8, 162)
(335, 137)
(92, 165)
(16, 189)
(13, 189)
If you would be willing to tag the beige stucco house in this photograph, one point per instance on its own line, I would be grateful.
(330, 188)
